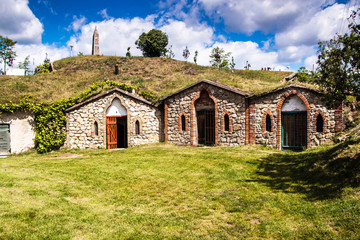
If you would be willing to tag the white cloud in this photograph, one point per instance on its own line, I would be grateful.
(116, 35)
(18, 23)
(37, 53)
(77, 23)
(301, 40)
(259, 15)
(104, 14)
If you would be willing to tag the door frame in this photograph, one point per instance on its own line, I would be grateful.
(296, 130)
(108, 146)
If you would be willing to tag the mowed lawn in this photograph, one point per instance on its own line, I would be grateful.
(164, 191)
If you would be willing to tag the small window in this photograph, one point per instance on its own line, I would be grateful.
(183, 123)
(226, 122)
(319, 123)
(268, 123)
(96, 129)
(137, 127)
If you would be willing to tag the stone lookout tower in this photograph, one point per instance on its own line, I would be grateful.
(95, 43)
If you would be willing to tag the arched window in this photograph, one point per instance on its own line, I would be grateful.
(226, 122)
(137, 127)
(96, 129)
(319, 123)
(183, 123)
(268, 123)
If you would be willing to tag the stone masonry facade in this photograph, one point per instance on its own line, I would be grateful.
(81, 120)
(226, 102)
(271, 104)
(238, 118)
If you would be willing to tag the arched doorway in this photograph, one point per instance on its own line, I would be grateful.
(293, 124)
(116, 125)
(205, 119)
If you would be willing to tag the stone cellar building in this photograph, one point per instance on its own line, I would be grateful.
(205, 113)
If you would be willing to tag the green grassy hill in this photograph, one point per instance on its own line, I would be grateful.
(159, 75)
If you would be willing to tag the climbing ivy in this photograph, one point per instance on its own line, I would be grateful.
(50, 119)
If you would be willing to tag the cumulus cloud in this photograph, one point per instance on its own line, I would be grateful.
(301, 40)
(19, 23)
(77, 23)
(37, 53)
(116, 35)
(104, 14)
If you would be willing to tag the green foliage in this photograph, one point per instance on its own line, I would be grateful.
(218, 58)
(232, 63)
(43, 68)
(25, 65)
(7, 54)
(128, 54)
(50, 119)
(153, 43)
(339, 64)
(195, 56)
(170, 54)
(186, 53)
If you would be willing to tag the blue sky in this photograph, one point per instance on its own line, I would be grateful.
(281, 34)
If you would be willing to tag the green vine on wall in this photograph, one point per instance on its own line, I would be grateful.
(50, 119)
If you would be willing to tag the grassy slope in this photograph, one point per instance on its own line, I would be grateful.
(162, 76)
(165, 191)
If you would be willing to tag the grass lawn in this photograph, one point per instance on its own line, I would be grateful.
(175, 192)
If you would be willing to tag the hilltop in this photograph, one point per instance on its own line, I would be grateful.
(162, 76)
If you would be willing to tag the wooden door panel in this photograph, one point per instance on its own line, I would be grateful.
(111, 132)
(294, 130)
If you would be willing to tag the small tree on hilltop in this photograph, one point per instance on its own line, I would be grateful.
(25, 65)
(186, 53)
(232, 63)
(153, 43)
(195, 57)
(128, 54)
(7, 54)
(339, 64)
(218, 58)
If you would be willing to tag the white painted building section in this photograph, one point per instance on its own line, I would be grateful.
(293, 104)
(21, 131)
(116, 109)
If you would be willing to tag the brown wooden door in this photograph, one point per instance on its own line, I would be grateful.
(206, 127)
(111, 132)
(294, 130)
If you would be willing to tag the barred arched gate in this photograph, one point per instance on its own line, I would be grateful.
(293, 124)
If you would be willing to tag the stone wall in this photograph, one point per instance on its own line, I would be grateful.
(80, 125)
(22, 130)
(271, 103)
(226, 102)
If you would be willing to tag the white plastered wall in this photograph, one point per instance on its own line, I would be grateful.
(22, 130)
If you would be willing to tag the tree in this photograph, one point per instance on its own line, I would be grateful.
(7, 54)
(195, 57)
(186, 53)
(170, 53)
(153, 43)
(339, 64)
(232, 63)
(25, 65)
(128, 54)
(218, 58)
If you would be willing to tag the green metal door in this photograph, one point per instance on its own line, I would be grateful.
(4, 139)
(293, 130)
